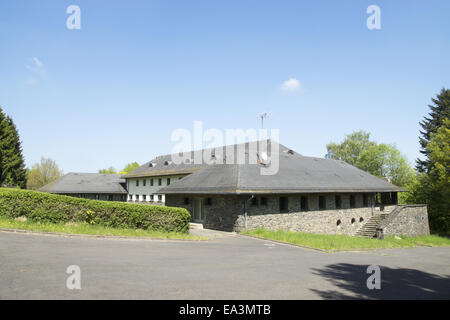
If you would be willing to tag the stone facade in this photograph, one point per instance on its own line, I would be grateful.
(411, 220)
(98, 196)
(227, 212)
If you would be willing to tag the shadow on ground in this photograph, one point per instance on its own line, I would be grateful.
(395, 283)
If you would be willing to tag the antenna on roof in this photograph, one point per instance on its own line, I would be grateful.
(262, 116)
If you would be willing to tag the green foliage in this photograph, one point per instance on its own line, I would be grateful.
(130, 167)
(351, 148)
(12, 165)
(440, 109)
(43, 173)
(110, 170)
(435, 186)
(381, 160)
(45, 207)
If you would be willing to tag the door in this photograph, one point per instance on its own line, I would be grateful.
(198, 210)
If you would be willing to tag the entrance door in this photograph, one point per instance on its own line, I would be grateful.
(198, 210)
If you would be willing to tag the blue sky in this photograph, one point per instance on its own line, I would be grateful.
(113, 91)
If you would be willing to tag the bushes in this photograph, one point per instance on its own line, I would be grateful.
(45, 207)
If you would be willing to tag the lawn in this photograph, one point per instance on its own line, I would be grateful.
(89, 229)
(343, 242)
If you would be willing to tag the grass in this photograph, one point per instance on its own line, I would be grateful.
(343, 242)
(89, 229)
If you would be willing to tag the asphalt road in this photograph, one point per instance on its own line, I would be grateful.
(229, 267)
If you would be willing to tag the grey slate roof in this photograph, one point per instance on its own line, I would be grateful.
(159, 167)
(296, 174)
(75, 182)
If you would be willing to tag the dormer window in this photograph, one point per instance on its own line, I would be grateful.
(151, 164)
(166, 163)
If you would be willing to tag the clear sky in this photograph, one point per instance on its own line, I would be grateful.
(114, 91)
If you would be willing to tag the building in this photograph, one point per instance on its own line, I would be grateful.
(306, 194)
(96, 186)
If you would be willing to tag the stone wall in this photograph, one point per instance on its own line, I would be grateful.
(342, 221)
(411, 220)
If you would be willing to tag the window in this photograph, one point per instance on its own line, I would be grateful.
(208, 201)
(304, 203)
(159, 182)
(159, 197)
(186, 200)
(144, 197)
(321, 202)
(130, 197)
(137, 183)
(365, 200)
(254, 201)
(97, 197)
(110, 197)
(352, 201)
(151, 182)
(136, 198)
(337, 201)
(264, 201)
(168, 181)
(283, 204)
(144, 182)
(152, 197)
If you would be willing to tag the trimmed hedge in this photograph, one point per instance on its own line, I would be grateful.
(39, 206)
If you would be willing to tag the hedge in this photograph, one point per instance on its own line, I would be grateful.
(45, 207)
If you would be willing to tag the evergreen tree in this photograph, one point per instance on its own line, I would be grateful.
(12, 164)
(440, 109)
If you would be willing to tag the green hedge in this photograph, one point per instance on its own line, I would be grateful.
(46, 207)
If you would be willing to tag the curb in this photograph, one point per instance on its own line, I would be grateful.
(287, 243)
(93, 236)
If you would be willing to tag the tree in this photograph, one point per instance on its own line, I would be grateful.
(440, 109)
(350, 149)
(43, 173)
(130, 167)
(110, 170)
(436, 184)
(381, 160)
(385, 160)
(12, 164)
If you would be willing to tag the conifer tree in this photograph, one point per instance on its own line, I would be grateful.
(12, 164)
(440, 109)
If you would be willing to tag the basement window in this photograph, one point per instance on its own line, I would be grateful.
(352, 201)
(304, 203)
(283, 204)
(365, 200)
(264, 201)
(338, 202)
(322, 202)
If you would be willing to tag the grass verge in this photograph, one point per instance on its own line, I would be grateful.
(342, 242)
(89, 229)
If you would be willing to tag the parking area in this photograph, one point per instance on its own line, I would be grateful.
(229, 266)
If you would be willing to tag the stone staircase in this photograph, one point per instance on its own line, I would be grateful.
(369, 229)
